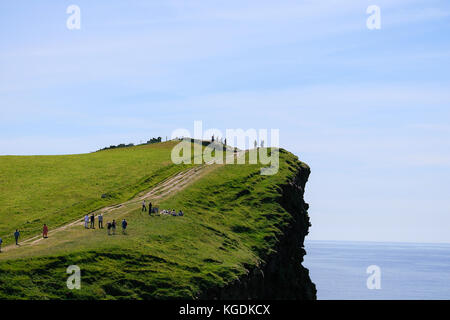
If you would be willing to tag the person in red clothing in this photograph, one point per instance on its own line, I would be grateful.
(45, 231)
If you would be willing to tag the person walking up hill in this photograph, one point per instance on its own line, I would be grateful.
(92, 221)
(45, 231)
(100, 221)
(86, 221)
(16, 236)
(124, 225)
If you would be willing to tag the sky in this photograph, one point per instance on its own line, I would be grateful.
(367, 110)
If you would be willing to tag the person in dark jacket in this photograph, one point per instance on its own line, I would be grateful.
(100, 221)
(1, 244)
(150, 208)
(113, 227)
(92, 221)
(16, 236)
(109, 226)
(124, 225)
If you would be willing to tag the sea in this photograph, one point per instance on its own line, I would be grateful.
(379, 270)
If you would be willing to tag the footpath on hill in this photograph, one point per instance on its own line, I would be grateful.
(170, 185)
(163, 189)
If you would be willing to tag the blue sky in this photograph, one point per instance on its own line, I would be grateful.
(368, 110)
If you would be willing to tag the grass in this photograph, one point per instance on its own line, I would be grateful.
(58, 189)
(232, 221)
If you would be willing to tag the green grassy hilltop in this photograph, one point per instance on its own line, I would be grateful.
(57, 189)
(232, 221)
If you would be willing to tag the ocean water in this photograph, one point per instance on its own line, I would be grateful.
(407, 270)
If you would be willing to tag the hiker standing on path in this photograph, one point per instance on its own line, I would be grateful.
(113, 227)
(45, 231)
(144, 208)
(150, 208)
(124, 225)
(100, 221)
(86, 221)
(16, 236)
(92, 221)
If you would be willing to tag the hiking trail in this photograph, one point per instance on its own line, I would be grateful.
(172, 184)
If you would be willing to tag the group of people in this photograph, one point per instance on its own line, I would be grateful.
(152, 209)
(89, 223)
(172, 212)
(111, 226)
(144, 207)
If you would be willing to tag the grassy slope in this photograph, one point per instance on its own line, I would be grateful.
(57, 189)
(232, 219)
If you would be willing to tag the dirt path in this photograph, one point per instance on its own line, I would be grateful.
(172, 184)
(161, 190)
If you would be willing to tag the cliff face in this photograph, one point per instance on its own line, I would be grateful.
(281, 274)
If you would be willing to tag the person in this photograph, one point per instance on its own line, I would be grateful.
(180, 213)
(16, 236)
(124, 225)
(144, 208)
(92, 221)
(45, 231)
(100, 221)
(150, 208)
(113, 227)
(86, 221)
(1, 244)
(108, 226)
(174, 213)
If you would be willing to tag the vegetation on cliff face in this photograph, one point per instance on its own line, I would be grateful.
(237, 224)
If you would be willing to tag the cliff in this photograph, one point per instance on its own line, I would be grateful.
(280, 275)
(241, 238)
